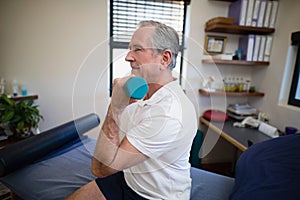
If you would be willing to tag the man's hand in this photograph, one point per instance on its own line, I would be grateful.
(119, 99)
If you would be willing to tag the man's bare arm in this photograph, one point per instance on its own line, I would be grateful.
(112, 155)
(126, 156)
(106, 148)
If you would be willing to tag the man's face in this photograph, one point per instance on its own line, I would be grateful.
(143, 61)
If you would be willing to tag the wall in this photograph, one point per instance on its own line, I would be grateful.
(197, 72)
(270, 79)
(45, 43)
(266, 79)
(59, 49)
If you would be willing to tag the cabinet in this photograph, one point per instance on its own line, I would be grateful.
(237, 30)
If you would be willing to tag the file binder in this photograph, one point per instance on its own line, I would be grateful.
(261, 13)
(246, 45)
(273, 14)
(238, 10)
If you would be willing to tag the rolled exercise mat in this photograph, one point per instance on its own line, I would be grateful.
(31, 149)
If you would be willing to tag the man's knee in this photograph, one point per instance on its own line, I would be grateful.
(88, 191)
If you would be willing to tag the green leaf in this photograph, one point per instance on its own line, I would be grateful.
(20, 126)
(8, 116)
(7, 100)
(30, 102)
(16, 119)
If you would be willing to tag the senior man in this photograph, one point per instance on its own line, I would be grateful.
(143, 148)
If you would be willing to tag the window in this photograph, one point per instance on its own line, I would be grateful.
(124, 18)
(294, 96)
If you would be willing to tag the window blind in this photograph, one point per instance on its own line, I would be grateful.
(126, 14)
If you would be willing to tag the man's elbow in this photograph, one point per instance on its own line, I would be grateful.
(96, 169)
(97, 173)
(100, 170)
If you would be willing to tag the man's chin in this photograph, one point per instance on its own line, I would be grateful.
(135, 72)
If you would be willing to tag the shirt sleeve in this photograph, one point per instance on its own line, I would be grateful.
(156, 135)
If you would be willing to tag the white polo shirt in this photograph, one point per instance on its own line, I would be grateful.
(163, 128)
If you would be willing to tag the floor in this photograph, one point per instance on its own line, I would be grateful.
(4, 193)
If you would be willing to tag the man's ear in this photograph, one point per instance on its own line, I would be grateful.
(166, 57)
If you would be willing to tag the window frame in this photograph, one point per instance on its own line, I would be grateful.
(124, 45)
(292, 100)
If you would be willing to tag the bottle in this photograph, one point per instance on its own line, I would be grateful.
(15, 88)
(2, 86)
(239, 54)
(24, 90)
(225, 83)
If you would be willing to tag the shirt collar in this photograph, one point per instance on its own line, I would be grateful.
(159, 94)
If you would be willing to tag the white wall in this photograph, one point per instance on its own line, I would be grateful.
(44, 44)
(201, 11)
(270, 79)
(266, 79)
(51, 43)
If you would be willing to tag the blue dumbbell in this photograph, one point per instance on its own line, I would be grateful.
(136, 87)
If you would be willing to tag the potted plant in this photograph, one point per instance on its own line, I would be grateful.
(19, 116)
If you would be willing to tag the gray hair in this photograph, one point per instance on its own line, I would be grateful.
(164, 37)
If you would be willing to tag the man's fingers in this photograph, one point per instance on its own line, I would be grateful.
(122, 80)
(116, 80)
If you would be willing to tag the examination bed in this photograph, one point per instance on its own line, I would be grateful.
(57, 173)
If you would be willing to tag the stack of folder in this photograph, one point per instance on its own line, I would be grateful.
(256, 48)
(255, 13)
(241, 111)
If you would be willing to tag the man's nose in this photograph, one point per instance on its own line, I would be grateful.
(129, 57)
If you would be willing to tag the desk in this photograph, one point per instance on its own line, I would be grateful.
(241, 138)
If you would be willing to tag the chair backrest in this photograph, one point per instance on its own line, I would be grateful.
(194, 154)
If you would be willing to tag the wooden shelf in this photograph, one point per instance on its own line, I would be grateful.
(224, 0)
(235, 62)
(232, 94)
(235, 29)
(27, 97)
